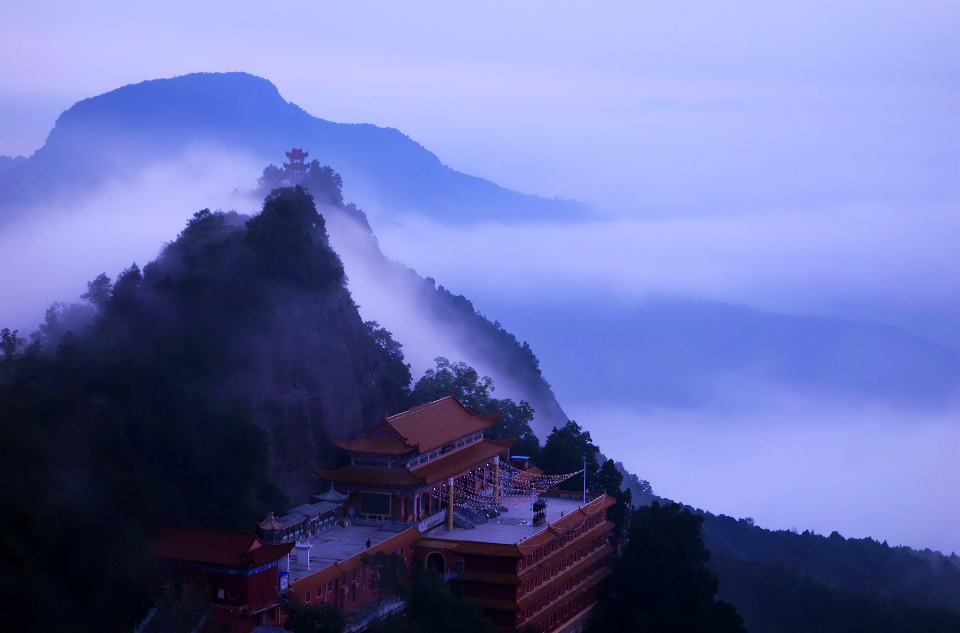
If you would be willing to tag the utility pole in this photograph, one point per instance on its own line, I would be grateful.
(584, 478)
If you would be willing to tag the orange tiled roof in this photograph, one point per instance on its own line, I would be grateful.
(460, 460)
(527, 475)
(430, 473)
(423, 428)
(214, 546)
(389, 445)
(272, 524)
(438, 423)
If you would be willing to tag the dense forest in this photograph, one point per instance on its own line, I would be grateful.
(136, 419)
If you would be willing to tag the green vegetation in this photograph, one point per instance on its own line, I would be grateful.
(565, 451)
(474, 392)
(398, 376)
(314, 618)
(433, 608)
(388, 571)
(775, 598)
(661, 584)
(863, 565)
(499, 348)
(125, 426)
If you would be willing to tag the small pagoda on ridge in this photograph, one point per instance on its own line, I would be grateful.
(296, 169)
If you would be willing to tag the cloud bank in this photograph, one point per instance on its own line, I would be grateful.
(894, 265)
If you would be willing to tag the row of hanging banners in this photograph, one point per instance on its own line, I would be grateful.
(477, 489)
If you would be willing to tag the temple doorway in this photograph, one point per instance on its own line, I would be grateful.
(435, 562)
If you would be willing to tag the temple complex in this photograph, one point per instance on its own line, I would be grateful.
(428, 485)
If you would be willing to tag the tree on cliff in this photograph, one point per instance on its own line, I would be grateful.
(398, 372)
(660, 583)
(564, 452)
(474, 392)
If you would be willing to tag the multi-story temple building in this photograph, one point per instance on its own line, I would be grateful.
(402, 470)
(296, 169)
(426, 484)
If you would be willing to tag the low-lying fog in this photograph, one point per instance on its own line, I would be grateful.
(865, 472)
(788, 460)
(52, 253)
(805, 464)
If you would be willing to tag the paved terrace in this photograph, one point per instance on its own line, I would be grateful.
(332, 546)
(512, 526)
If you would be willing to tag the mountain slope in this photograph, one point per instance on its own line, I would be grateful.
(206, 381)
(431, 321)
(126, 129)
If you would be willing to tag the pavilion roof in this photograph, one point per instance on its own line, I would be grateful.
(460, 460)
(378, 444)
(435, 470)
(215, 546)
(421, 429)
(271, 523)
(297, 153)
(438, 423)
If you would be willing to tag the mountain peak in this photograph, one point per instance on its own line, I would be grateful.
(128, 128)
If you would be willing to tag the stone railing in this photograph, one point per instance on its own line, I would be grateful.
(432, 521)
(362, 618)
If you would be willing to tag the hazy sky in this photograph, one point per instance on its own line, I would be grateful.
(637, 107)
(799, 157)
(650, 110)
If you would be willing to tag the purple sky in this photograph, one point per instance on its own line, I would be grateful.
(645, 110)
(802, 159)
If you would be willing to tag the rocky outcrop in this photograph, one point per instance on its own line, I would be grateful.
(317, 375)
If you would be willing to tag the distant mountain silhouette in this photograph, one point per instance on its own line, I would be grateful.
(123, 130)
(680, 352)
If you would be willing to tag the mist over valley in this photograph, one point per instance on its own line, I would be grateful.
(682, 254)
(632, 354)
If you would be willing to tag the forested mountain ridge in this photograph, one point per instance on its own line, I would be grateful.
(383, 284)
(921, 578)
(126, 129)
(202, 392)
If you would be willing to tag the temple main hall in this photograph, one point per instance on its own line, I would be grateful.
(402, 470)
